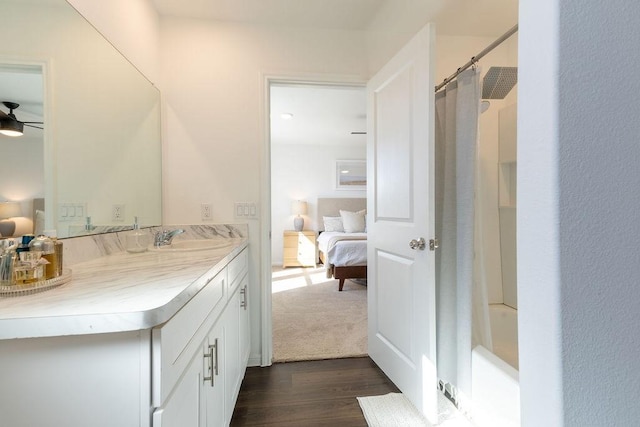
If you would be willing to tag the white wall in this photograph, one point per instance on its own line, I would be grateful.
(304, 172)
(214, 86)
(578, 204)
(132, 26)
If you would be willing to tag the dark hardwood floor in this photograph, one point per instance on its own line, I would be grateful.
(315, 393)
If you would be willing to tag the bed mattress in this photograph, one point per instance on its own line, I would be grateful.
(343, 249)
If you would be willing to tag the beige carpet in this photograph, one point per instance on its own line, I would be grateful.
(312, 320)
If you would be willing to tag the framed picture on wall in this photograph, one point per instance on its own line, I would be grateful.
(351, 174)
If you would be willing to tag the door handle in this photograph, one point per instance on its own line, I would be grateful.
(418, 245)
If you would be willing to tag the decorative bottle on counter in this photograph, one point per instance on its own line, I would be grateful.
(45, 245)
(7, 261)
(137, 240)
(57, 245)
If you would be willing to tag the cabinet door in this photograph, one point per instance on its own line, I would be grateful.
(245, 333)
(214, 368)
(183, 408)
(175, 342)
(232, 350)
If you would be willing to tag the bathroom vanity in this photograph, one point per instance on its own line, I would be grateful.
(150, 339)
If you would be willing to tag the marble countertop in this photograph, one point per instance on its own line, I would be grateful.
(115, 293)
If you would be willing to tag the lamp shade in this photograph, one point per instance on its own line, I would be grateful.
(299, 207)
(10, 210)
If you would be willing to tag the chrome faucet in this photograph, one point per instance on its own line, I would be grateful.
(164, 237)
(88, 226)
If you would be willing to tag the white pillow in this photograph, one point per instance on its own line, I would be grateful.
(333, 223)
(353, 222)
(38, 223)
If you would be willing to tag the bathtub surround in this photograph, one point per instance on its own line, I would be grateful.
(504, 331)
(496, 391)
(495, 377)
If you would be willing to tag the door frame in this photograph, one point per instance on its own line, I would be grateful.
(266, 80)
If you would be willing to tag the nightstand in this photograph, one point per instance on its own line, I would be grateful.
(299, 248)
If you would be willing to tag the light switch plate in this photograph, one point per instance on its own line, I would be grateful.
(245, 210)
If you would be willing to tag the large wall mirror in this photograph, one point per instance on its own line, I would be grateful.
(98, 155)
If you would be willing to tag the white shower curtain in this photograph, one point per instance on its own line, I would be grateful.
(461, 287)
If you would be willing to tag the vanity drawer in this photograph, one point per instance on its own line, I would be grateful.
(175, 342)
(238, 267)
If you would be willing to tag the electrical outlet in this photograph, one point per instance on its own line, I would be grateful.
(205, 211)
(117, 213)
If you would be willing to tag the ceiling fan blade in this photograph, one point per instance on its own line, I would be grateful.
(35, 123)
(3, 114)
(32, 126)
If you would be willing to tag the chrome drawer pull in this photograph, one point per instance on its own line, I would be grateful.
(209, 356)
(212, 355)
(243, 303)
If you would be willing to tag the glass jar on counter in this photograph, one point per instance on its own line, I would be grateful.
(46, 246)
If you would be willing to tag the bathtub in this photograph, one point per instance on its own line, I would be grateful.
(495, 385)
(504, 332)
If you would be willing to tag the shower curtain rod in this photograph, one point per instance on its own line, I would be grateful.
(476, 58)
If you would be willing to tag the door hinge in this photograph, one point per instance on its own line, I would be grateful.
(433, 244)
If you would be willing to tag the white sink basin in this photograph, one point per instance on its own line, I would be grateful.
(192, 245)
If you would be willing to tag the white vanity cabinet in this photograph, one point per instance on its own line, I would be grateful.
(197, 358)
(155, 374)
(236, 324)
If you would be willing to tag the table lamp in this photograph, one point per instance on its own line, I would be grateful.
(8, 210)
(298, 208)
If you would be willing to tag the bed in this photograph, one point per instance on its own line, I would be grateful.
(342, 240)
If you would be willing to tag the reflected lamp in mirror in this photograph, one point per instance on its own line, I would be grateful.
(8, 210)
(298, 207)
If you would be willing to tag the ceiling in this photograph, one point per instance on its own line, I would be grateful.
(323, 115)
(343, 14)
(452, 17)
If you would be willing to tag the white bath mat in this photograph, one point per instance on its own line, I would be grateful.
(395, 410)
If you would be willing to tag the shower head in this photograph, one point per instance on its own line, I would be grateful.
(498, 82)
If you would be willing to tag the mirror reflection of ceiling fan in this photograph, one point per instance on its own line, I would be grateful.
(10, 125)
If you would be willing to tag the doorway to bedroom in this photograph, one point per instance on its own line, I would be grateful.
(314, 129)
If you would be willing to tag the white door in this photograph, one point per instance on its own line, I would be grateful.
(401, 290)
